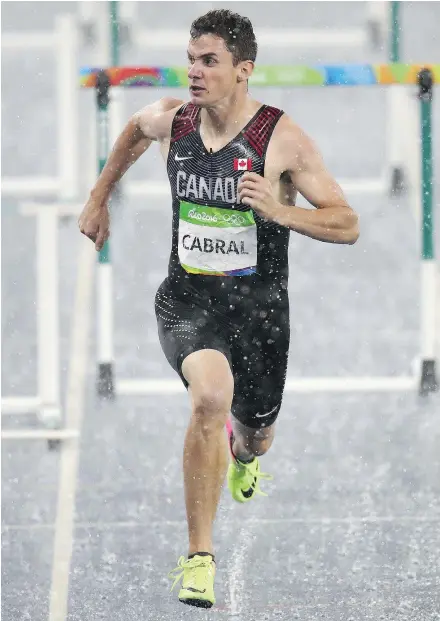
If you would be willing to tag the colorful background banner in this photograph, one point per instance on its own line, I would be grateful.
(293, 75)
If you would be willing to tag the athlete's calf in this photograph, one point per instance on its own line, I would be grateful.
(205, 463)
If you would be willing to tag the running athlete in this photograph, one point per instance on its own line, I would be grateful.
(235, 166)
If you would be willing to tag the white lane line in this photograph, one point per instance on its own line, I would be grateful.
(235, 573)
(74, 407)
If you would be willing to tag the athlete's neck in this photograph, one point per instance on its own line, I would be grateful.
(228, 116)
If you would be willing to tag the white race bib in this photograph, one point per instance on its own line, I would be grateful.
(217, 242)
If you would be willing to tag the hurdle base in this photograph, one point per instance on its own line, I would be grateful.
(125, 34)
(88, 33)
(105, 384)
(374, 34)
(397, 185)
(428, 378)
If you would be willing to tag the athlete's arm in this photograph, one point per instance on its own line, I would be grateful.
(334, 220)
(152, 123)
(145, 126)
(293, 152)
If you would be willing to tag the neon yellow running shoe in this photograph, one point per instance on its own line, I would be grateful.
(244, 479)
(198, 580)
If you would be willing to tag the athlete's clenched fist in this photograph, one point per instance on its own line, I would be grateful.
(256, 191)
(94, 222)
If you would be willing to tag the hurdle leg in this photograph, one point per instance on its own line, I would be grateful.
(428, 380)
(376, 23)
(47, 318)
(396, 104)
(105, 384)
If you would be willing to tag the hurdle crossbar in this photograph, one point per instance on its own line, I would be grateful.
(373, 33)
(39, 434)
(305, 385)
(271, 75)
(155, 189)
(291, 38)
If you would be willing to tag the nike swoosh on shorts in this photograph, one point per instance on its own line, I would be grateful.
(267, 414)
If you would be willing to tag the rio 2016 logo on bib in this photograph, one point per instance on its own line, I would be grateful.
(217, 242)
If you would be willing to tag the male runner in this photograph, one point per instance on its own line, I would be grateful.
(235, 166)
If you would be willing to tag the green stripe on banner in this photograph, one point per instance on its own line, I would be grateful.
(285, 76)
(175, 77)
(215, 216)
(399, 72)
(428, 224)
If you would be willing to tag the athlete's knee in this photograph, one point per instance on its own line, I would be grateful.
(210, 402)
(211, 386)
(210, 409)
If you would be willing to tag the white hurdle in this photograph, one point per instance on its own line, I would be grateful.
(430, 323)
(63, 43)
(47, 403)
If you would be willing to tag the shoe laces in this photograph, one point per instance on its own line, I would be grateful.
(252, 479)
(193, 564)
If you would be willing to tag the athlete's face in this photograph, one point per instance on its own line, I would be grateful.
(211, 71)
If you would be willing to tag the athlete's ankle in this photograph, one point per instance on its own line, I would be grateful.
(201, 553)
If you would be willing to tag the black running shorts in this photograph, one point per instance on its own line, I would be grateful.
(257, 350)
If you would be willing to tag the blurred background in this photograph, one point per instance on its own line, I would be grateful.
(91, 526)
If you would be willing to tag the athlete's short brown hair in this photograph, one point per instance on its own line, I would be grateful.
(236, 31)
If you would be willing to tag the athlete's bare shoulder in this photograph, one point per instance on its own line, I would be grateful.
(290, 145)
(155, 120)
(293, 155)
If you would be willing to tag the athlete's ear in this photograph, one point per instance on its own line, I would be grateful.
(245, 71)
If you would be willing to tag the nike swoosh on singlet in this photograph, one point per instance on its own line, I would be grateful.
(179, 159)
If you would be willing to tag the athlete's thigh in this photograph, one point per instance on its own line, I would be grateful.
(259, 362)
(185, 328)
(210, 382)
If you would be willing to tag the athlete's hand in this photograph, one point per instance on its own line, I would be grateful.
(94, 222)
(257, 192)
